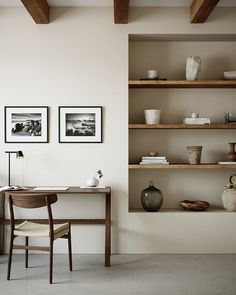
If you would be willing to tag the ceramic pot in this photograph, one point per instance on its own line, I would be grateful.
(193, 68)
(152, 74)
(194, 154)
(92, 182)
(232, 180)
(151, 198)
(152, 117)
(229, 199)
(195, 115)
(232, 153)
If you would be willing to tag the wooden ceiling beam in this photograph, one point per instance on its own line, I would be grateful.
(38, 9)
(121, 11)
(201, 9)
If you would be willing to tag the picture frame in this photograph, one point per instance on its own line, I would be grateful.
(80, 124)
(26, 124)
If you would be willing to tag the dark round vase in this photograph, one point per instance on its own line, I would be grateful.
(151, 198)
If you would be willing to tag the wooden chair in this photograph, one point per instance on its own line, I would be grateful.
(31, 229)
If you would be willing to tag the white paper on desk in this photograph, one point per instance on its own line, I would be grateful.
(92, 187)
(51, 188)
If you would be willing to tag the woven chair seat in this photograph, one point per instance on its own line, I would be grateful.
(32, 229)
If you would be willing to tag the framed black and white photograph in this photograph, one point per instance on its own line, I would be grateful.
(26, 124)
(80, 124)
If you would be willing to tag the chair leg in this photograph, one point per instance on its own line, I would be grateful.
(51, 261)
(10, 258)
(69, 250)
(26, 252)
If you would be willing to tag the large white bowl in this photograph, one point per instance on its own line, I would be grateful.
(230, 75)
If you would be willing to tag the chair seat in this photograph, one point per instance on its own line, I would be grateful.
(32, 229)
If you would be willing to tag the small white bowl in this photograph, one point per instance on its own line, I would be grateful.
(231, 75)
(153, 154)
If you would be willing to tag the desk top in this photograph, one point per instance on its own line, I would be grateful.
(71, 190)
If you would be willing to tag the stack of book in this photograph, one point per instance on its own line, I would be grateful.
(196, 121)
(154, 161)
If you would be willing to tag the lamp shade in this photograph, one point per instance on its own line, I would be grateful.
(19, 155)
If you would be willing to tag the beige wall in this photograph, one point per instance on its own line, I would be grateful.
(81, 58)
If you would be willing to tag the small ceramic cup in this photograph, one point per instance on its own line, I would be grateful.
(152, 74)
(152, 117)
(194, 154)
(195, 115)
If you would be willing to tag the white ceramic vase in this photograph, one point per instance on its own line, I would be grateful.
(152, 117)
(92, 182)
(193, 68)
(229, 199)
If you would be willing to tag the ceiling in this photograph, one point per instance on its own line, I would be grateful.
(186, 3)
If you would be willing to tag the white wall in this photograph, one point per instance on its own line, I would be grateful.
(81, 58)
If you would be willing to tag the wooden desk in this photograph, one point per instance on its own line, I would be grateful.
(80, 191)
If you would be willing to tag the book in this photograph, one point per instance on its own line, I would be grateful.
(12, 188)
(153, 158)
(226, 163)
(197, 121)
(154, 163)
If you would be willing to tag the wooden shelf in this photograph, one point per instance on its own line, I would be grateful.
(182, 84)
(179, 210)
(183, 126)
(184, 166)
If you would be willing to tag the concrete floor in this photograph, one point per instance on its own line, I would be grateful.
(129, 274)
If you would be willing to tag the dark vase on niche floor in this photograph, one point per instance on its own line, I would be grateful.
(151, 198)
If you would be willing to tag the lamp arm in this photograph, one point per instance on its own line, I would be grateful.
(9, 169)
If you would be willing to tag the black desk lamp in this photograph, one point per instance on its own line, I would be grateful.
(19, 155)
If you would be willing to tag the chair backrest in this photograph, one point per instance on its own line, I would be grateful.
(31, 201)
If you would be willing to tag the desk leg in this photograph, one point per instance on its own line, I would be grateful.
(108, 230)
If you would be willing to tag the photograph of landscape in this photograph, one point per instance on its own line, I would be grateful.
(80, 124)
(26, 124)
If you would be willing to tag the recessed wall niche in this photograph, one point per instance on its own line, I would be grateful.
(168, 55)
